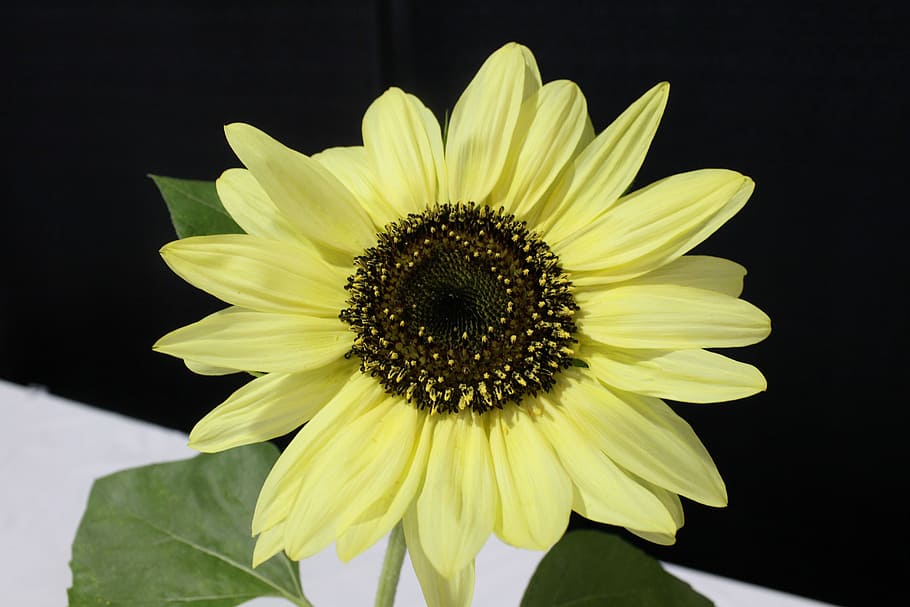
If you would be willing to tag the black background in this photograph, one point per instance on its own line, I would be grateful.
(807, 98)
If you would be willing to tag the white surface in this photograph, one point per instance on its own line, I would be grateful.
(51, 450)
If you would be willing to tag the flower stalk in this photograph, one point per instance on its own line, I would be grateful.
(391, 568)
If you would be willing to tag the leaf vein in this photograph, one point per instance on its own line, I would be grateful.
(199, 200)
(248, 570)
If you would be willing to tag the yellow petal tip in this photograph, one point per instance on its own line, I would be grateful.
(513, 47)
(722, 498)
(762, 382)
(235, 126)
(237, 132)
(345, 555)
(201, 444)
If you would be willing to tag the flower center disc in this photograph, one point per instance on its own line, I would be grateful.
(461, 306)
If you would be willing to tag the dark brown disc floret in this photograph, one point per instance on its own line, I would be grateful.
(461, 307)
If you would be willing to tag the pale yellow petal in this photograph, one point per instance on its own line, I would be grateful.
(604, 170)
(674, 507)
(249, 205)
(404, 146)
(358, 395)
(534, 490)
(260, 341)
(653, 226)
(363, 467)
(699, 271)
(347, 473)
(265, 275)
(484, 119)
(369, 526)
(643, 435)
(268, 407)
(670, 317)
(351, 166)
(308, 195)
(557, 116)
(438, 591)
(663, 539)
(695, 376)
(203, 369)
(604, 492)
(268, 544)
(456, 508)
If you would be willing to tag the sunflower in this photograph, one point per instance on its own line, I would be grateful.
(477, 329)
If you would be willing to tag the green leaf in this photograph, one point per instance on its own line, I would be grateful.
(195, 207)
(594, 569)
(178, 534)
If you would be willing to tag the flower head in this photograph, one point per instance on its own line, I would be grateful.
(477, 332)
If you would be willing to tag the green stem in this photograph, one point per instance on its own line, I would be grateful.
(391, 568)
